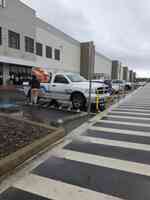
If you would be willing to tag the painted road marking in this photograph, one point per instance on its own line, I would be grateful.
(135, 107)
(128, 117)
(128, 132)
(131, 120)
(122, 126)
(131, 113)
(100, 179)
(118, 164)
(116, 152)
(123, 123)
(55, 189)
(132, 110)
(20, 194)
(119, 137)
(116, 143)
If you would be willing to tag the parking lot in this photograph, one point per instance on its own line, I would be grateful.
(50, 116)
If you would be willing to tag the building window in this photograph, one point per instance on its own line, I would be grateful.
(2, 3)
(48, 52)
(57, 54)
(0, 35)
(29, 45)
(39, 49)
(13, 40)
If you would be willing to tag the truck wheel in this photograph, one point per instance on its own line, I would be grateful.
(78, 101)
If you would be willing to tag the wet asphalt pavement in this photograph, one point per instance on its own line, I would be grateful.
(107, 159)
(37, 113)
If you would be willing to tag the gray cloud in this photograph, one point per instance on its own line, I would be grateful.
(119, 28)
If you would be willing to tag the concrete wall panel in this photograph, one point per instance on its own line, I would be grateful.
(102, 65)
(70, 53)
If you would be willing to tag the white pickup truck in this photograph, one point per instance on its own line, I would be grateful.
(71, 87)
(74, 88)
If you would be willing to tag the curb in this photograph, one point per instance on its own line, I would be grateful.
(61, 121)
(13, 160)
(51, 128)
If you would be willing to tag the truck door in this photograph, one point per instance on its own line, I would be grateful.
(60, 88)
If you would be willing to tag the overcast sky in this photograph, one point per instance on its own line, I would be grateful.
(120, 29)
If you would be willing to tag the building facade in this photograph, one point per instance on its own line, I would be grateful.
(131, 76)
(95, 63)
(102, 67)
(27, 41)
(15, 62)
(63, 53)
(125, 74)
(87, 59)
(116, 73)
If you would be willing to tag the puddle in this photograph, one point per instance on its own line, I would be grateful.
(7, 105)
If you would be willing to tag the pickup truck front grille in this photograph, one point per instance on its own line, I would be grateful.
(102, 90)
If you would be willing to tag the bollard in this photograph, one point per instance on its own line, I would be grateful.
(108, 102)
(97, 102)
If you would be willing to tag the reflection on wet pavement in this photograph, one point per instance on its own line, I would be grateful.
(36, 113)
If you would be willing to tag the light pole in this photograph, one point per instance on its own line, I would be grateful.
(91, 66)
(90, 87)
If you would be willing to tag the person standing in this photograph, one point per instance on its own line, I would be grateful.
(35, 86)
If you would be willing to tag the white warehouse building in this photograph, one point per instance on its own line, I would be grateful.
(27, 41)
(68, 47)
(103, 66)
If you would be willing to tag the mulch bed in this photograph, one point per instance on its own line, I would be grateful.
(16, 134)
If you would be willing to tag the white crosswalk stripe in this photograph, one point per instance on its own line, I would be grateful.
(130, 113)
(123, 165)
(128, 117)
(123, 123)
(116, 143)
(58, 190)
(132, 109)
(126, 132)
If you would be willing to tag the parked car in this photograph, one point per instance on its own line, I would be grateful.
(141, 83)
(128, 85)
(73, 87)
(118, 85)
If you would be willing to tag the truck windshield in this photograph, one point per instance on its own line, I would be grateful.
(76, 78)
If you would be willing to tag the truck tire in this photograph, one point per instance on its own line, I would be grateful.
(78, 100)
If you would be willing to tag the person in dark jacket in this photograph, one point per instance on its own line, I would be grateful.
(35, 87)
